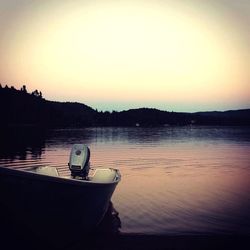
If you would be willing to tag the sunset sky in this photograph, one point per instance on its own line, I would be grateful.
(187, 55)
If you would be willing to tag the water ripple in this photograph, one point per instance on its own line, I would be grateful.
(174, 180)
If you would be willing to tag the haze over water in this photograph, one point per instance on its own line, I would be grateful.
(175, 180)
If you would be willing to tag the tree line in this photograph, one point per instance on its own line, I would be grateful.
(20, 108)
(23, 89)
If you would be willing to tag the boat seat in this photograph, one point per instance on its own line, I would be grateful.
(103, 175)
(52, 171)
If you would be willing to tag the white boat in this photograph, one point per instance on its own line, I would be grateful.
(51, 205)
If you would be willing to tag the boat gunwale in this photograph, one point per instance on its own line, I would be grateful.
(60, 179)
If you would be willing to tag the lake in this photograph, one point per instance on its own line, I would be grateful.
(175, 180)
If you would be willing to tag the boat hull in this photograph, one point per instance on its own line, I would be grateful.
(53, 207)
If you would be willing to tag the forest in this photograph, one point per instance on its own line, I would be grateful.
(20, 108)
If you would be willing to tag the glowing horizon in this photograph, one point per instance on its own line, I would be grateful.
(116, 55)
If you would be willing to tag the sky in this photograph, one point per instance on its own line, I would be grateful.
(175, 55)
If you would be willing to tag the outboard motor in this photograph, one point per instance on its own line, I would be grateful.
(79, 160)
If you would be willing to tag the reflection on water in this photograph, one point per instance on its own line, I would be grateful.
(111, 222)
(16, 234)
(174, 180)
(18, 143)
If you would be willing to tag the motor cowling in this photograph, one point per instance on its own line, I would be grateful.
(79, 160)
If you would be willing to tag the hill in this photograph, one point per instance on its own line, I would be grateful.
(20, 108)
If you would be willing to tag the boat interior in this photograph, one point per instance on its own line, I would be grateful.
(97, 175)
(79, 167)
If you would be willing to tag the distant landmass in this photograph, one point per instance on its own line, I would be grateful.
(20, 108)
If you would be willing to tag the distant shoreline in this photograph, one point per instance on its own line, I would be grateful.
(22, 109)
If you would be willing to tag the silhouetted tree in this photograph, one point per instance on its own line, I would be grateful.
(35, 93)
(23, 89)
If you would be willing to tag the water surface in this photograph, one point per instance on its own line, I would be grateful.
(175, 180)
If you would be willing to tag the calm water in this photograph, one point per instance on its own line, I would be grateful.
(174, 180)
